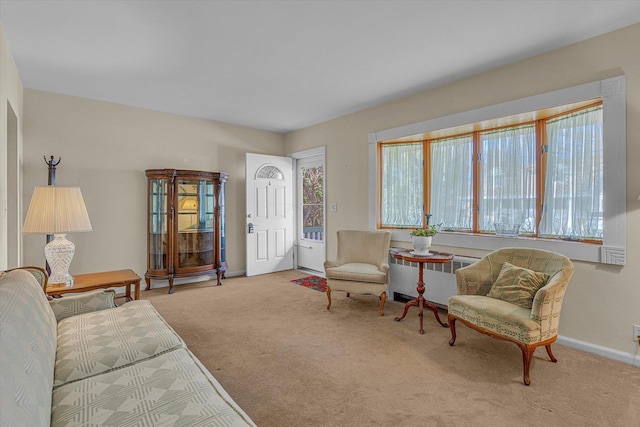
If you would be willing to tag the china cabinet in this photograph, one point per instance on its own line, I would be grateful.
(185, 225)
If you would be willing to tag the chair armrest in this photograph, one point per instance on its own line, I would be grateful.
(384, 267)
(87, 302)
(474, 279)
(332, 263)
(547, 302)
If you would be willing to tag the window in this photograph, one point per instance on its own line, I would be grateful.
(403, 183)
(560, 174)
(574, 181)
(506, 171)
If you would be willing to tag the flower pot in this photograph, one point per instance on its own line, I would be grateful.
(421, 244)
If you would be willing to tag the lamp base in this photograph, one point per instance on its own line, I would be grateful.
(59, 253)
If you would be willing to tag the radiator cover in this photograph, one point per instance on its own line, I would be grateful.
(439, 279)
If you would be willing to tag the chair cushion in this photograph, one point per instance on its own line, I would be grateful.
(97, 342)
(357, 272)
(173, 389)
(497, 316)
(517, 285)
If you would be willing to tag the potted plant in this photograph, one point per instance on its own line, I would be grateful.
(421, 239)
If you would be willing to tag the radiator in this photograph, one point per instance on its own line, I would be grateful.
(439, 279)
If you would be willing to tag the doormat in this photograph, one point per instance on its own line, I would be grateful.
(313, 282)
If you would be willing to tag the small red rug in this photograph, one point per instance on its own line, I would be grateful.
(313, 282)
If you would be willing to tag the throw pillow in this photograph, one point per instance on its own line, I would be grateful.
(517, 285)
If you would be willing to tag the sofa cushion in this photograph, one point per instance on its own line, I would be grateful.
(517, 285)
(357, 272)
(497, 316)
(97, 342)
(173, 389)
(27, 351)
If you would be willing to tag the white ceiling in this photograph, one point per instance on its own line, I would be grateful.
(282, 65)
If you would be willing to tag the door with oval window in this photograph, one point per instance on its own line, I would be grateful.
(270, 214)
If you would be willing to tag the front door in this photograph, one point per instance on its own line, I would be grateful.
(311, 215)
(270, 214)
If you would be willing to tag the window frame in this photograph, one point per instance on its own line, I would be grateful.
(613, 94)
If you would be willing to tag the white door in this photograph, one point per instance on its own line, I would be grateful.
(270, 214)
(310, 213)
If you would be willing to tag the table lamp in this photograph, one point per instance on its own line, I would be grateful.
(57, 210)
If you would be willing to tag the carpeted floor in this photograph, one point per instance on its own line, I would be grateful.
(287, 361)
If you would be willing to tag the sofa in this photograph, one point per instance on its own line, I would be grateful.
(82, 361)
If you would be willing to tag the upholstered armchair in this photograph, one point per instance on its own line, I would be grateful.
(362, 265)
(514, 294)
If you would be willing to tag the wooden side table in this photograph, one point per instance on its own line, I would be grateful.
(92, 281)
(420, 301)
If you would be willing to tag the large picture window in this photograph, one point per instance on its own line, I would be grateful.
(544, 176)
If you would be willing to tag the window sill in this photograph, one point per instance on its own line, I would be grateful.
(576, 251)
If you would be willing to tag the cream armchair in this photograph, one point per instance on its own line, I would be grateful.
(500, 315)
(362, 265)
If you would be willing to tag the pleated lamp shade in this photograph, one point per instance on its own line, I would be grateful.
(57, 210)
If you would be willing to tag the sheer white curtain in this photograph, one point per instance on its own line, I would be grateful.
(508, 178)
(402, 185)
(573, 198)
(452, 183)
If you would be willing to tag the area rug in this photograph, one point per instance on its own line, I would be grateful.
(313, 282)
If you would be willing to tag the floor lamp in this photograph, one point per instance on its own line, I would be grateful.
(57, 210)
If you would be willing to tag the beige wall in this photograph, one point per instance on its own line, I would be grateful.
(602, 301)
(10, 93)
(105, 149)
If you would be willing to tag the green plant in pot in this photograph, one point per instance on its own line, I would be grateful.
(421, 239)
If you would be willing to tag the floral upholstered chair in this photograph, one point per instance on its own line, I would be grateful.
(362, 265)
(514, 294)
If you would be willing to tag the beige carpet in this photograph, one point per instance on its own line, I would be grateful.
(287, 361)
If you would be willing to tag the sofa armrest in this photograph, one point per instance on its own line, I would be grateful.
(87, 302)
(38, 272)
(474, 279)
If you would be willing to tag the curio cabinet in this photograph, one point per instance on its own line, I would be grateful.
(186, 225)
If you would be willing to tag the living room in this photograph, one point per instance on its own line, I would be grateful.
(106, 147)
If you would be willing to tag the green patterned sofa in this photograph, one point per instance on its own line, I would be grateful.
(82, 361)
(514, 294)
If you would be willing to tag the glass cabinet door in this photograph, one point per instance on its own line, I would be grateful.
(195, 223)
(157, 224)
(223, 226)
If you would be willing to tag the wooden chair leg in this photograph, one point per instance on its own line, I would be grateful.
(383, 299)
(328, 297)
(527, 355)
(452, 327)
(553, 359)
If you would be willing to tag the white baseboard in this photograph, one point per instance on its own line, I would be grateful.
(609, 353)
(236, 273)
